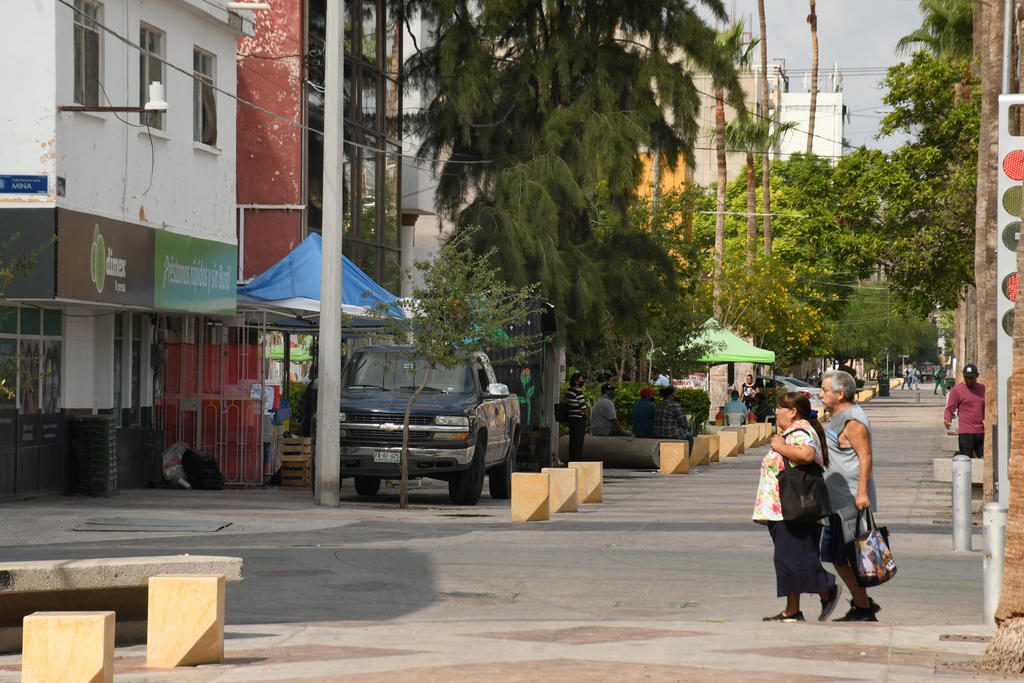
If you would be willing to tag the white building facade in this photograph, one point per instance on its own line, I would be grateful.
(130, 215)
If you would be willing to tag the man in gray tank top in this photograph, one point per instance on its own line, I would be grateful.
(851, 486)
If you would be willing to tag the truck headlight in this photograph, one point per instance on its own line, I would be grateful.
(452, 420)
(451, 436)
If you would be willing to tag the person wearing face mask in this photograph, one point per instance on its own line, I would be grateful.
(603, 421)
(578, 414)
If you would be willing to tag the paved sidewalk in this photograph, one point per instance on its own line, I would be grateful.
(667, 580)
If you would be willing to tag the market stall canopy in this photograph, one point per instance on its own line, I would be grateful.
(726, 347)
(293, 284)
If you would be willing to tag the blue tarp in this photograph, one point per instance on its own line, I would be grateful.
(294, 282)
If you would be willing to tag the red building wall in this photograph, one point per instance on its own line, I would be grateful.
(270, 151)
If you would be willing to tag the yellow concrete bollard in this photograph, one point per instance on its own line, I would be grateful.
(590, 478)
(713, 448)
(67, 646)
(702, 447)
(751, 434)
(766, 433)
(675, 458)
(530, 496)
(741, 439)
(727, 443)
(186, 620)
(563, 492)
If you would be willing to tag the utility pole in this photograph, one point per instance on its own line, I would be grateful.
(328, 452)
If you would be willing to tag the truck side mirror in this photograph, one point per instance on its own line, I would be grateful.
(497, 389)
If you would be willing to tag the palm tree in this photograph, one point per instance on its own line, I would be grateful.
(766, 195)
(946, 29)
(729, 44)
(754, 136)
(812, 19)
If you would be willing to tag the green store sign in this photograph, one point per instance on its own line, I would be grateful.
(195, 275)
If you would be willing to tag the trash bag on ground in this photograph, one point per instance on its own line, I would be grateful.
(172, 469)
(201, 470)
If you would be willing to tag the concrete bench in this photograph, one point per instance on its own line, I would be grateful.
(113, 583)
(618, 451)
(942, 470)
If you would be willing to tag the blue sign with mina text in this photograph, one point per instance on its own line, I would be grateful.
(24, 184)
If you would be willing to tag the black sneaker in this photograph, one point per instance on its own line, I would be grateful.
(858, 614)
(787, 618)
(828, 605)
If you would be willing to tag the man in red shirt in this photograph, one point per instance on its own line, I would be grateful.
(967, 400)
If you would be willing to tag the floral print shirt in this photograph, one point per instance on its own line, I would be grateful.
(768, 507)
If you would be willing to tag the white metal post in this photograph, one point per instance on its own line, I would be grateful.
(328, 452)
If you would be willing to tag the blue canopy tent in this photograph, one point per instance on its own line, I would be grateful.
(292, 287)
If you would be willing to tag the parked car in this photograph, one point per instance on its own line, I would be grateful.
(784, 383)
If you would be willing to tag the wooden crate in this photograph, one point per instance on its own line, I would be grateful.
(297, 445)
(295, 470)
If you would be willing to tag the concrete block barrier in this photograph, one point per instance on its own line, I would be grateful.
(675, 458)
(752, 434)
(590, 481)
(703, 447)
(563, 489)
(728, 442)
(530, 497)
(186, 620)
(942, 469)
(68, 646)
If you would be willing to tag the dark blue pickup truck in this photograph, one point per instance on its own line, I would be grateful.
(463, 424)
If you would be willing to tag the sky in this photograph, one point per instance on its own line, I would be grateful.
(859, 35)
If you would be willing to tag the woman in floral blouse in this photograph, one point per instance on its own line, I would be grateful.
(801, 440)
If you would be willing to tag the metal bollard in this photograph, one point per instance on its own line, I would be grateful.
(961, 502)
(994, 516)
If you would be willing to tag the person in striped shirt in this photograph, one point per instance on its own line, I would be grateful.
(578, 415)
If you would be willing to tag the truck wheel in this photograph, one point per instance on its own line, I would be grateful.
(499, 477)
(367, 486)
(464, 488)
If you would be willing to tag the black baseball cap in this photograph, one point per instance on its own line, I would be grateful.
(606, 387)
(970, 370)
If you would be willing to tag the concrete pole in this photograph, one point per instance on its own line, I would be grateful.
(994, 516)
(328, 453)
(961, 502)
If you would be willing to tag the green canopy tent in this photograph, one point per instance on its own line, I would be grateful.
(727, 347)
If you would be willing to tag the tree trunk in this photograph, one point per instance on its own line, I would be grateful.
(812, 19)
(723, 179)
(766, 198)
(655, 189)
(751, 210)
(403, 491)
(986, 217)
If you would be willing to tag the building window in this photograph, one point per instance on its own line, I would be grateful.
(87, 53)
(151, 69)
(204, 107)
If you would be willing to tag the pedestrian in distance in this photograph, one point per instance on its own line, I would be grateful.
(749, 390)
(603, 420)
(578, 415)
(658, 379)
(940, 380)
(851, 485)
(907, 378)
(670, 420)
(643, 414)
(797, 551)
(967, 401)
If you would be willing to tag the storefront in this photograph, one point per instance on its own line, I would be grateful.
(128, 320)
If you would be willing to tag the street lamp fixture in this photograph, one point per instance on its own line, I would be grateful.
(157, 102)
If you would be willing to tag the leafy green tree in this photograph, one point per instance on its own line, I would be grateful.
(458, 308)
(531, 105)
(947, 29)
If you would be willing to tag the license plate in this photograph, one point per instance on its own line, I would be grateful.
(387, 456)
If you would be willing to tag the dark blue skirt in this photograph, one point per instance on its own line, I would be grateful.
(798, 559)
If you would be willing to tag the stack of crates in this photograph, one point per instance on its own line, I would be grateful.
(94, 454)
(296, 461)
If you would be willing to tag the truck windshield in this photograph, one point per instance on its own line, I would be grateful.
(388, 371)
